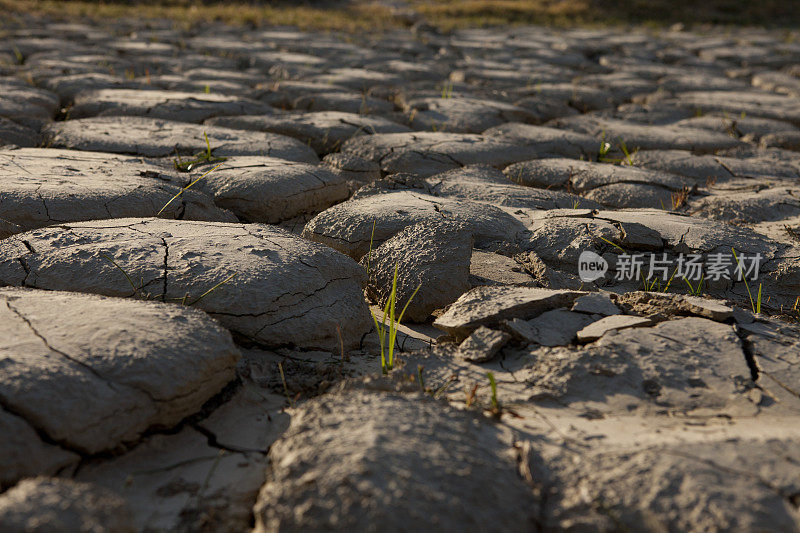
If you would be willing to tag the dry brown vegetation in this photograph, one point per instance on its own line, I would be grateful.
(460, 13)
(371, 15)
(355, 16)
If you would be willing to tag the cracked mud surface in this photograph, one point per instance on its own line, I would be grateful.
(191, 351)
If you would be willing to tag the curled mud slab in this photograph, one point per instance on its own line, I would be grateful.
(196, 225)
(260, 281)
(115, 369)
(44, 186)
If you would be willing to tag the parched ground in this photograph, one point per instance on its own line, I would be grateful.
(197, 221)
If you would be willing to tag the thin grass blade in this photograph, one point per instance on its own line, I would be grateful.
(746, 285)
(187, 187)
(215, 287)
(130, 281)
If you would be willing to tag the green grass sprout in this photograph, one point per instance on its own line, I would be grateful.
(200, 158)
(649, 286)
(754, 305)
(605, 147)
(388, 336)
(447, 90)
(628, 155)
(666, 288)
(695, 291)
(493, 399)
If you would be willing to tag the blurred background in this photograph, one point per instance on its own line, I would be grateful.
(372, 15)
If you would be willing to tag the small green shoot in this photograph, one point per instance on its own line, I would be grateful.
(420, 379)
(179, 161)
(496, 409)
(208, 145)
(758, 301)
(754, 305)
(207, 89)
(605, 147)
(628, 155)
(447, 90)
(666, 288)
(695, 290)
(493, 384)
(201, 158)
(17, 54)
(388, 336)
(655, 284)
(185, 188)
(649, 285)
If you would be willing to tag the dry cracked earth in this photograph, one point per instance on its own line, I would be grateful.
(203, 358)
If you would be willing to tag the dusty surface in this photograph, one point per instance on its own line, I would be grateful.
(195, 223)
